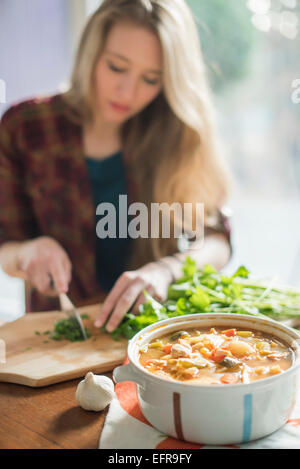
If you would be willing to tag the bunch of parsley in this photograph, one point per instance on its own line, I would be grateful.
(207, 290)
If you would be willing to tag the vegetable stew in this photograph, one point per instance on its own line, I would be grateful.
(216, 356)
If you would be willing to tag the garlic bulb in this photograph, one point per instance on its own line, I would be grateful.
(95, 392)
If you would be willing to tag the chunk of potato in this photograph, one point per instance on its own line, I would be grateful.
(190, 372)
(240, 349)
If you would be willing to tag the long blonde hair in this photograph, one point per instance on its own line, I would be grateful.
(171, 146)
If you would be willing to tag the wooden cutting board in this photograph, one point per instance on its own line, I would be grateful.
(36, 360)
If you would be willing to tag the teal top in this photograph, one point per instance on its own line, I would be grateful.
(108, 182)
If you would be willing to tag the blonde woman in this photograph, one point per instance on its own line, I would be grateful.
(136, 121)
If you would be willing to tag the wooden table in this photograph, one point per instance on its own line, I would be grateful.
(47, 418)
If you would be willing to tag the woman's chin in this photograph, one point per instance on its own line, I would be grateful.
(114, 118)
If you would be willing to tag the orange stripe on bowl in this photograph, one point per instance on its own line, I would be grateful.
(294, 422)
(126, 393)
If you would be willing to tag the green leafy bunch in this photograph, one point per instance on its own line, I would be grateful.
(207, 290)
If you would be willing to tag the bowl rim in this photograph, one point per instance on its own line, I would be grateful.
(264, 382)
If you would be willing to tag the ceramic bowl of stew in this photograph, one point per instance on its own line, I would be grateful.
(214, 378)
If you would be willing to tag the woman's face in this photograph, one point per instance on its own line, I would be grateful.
(128, 74)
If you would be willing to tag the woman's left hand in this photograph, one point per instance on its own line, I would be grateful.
(128, 291)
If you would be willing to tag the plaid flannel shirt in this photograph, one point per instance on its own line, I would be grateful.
(45, 191)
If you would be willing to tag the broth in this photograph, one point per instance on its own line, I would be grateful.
(216, 356)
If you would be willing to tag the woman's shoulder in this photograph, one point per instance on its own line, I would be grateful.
(35, 107)
(37, 119)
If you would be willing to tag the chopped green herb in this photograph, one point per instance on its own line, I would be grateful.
(37, 333)
(47, 332)
(56, 336)
(68, 329)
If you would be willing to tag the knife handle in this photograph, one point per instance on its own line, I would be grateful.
(52, 284)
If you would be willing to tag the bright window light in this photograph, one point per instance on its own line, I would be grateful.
(289, 3)
(259, 7)
(91, 6)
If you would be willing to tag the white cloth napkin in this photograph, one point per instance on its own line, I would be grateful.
(126, 428)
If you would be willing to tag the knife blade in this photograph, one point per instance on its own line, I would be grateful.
(67, 306)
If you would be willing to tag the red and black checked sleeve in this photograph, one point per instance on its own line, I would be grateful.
(17, 221)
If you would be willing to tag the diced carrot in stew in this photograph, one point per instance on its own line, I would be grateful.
(274, 370)
(209, 345)
(218, 355)
(229, 379)
(229, 332)
(168, 348)
(149, 363)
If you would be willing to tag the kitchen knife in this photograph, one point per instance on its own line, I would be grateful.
(67, 306)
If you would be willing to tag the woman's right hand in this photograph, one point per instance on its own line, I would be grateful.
(43, 258)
